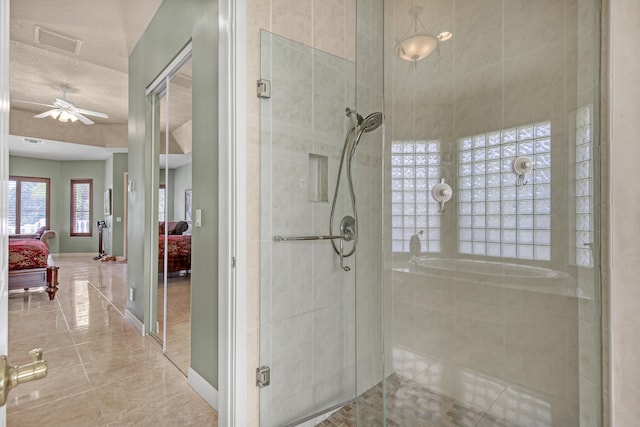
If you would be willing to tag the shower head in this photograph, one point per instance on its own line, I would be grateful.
(351, 112)
(368, 124)
(371, 122)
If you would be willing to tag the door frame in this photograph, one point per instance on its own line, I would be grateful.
(232, 242)
(4, 178)
(155, 92)
(125, 220)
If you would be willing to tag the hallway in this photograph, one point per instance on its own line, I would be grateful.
(101, 371)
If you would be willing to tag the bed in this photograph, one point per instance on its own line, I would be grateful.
(178, 248)
(28, 265)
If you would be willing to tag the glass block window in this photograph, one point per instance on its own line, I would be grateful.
(496, 217)
(415, 170)
(584, 188)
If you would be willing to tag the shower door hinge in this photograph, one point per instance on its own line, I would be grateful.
(263, 376)
(264, 88)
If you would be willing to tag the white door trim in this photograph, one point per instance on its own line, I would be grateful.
(232, 305)
(4, 177)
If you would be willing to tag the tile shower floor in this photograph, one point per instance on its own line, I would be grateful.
(409, 404)
(101, 371)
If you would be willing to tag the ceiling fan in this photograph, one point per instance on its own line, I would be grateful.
(65, 111)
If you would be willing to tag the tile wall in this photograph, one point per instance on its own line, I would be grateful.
(329, 27)
(508, 65)
(307, 315)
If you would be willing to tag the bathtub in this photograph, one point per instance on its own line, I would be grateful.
(485, 269)
(489, 317)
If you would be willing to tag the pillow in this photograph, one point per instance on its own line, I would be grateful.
(180, 228)
(41, 231)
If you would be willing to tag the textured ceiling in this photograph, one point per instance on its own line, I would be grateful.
(97, 77)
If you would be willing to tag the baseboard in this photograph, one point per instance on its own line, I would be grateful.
(129, 316)
(203, 388)
(90, 254)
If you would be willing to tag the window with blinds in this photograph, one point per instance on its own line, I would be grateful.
(81, 207)
(162, 193)
(28, 204)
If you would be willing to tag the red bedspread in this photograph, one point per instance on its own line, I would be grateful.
(178, 253)
(27, 253)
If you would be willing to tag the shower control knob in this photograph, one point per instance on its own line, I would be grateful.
(446, 193)
(522, 165)
(442, 193)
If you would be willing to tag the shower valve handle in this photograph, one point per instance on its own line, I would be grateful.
(442, 193)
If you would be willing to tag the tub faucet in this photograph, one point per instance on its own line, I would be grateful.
(415, 245)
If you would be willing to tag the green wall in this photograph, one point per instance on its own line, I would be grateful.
(60, 173)
(181, 181)
(115, 167)
(175, 23)
(169, 191)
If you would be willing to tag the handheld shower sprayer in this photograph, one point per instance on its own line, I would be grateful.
(363, 125)
(351, 112)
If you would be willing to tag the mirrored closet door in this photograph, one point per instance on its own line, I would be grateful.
(172, 292)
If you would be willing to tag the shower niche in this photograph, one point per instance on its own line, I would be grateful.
(318, 180)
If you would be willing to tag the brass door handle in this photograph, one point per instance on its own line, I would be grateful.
(11, 376)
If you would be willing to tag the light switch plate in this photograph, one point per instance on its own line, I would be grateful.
(198, 218)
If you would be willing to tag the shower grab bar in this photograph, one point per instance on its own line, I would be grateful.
(292, 238)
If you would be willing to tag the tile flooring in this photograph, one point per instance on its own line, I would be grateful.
(101, 371)
(408, 404)
(178, 319)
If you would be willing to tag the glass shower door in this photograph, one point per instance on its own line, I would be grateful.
(307, 301)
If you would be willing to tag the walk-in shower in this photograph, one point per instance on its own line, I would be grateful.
(486, 171)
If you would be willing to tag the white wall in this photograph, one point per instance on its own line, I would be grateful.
(625, 212)
(181, 182)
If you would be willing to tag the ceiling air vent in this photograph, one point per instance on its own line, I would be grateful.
(33, 140)
(57, 40)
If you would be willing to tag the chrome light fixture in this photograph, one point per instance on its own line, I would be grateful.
(417, 45)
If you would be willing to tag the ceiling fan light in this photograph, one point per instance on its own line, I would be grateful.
(54, 114)
(64, 117)
(72, 118)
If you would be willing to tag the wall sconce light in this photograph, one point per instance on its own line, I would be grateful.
(417, 45)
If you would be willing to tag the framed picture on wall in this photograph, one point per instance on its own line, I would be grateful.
(187, 205)
(107, 202)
